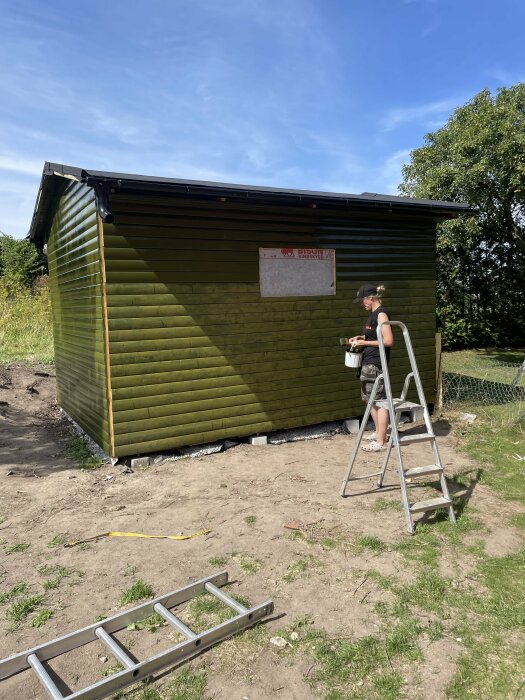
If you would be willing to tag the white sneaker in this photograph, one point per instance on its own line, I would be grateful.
(372, 436)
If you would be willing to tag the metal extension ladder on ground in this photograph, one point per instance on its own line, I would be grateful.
(395, 407)
(137, 670)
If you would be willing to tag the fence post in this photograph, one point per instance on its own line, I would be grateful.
(439, 373)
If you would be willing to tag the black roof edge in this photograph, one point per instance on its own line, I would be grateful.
(55, 176)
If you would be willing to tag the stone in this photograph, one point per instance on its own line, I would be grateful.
(258, 440)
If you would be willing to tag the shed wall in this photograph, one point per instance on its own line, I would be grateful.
(73, 252)
(197, 355)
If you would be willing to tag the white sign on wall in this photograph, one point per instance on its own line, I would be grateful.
(297, 272)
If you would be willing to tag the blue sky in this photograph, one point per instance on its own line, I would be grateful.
(309, 94)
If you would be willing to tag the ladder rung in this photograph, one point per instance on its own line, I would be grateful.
(225, 598)
(114, 647)
(366, 476)
(44, 677)
(431, 504)
(174, 621)
(423, 471)
(421, 437)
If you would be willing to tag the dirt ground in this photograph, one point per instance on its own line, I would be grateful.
(44, 494)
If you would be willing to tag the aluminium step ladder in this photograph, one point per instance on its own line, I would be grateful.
(134, 670)
(395, 406)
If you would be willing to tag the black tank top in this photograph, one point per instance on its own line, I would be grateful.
(371, 353)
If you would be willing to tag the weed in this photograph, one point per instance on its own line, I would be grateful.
(328, 543)
(138, 591)
(151, 623)
(58, 540)
(370, 542)
(21, 547)
(112, 669)
(60, 572)
(41, 618)
(217, 561)
(250, 565)
(130, 570)
(401, 639)
(22, 608)
(81, 454)
(435, 630)
(13, 592)
(299, 568)
(250, 519)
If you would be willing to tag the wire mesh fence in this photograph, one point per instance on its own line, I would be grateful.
(491, 383)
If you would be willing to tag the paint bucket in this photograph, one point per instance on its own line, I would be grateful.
(353, 359)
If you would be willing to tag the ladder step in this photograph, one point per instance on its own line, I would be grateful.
(431, 504)
(174, 621)
(225, 598)
(399, 405)
(421, 437)
(44, 677)
(423, 471)
(114, 647)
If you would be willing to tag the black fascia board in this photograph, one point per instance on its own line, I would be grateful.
(55, 176)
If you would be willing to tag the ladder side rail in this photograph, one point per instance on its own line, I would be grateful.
(19, 662)
(394, 435)
(360, 433)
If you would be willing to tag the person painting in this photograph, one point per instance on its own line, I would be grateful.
(369, 296)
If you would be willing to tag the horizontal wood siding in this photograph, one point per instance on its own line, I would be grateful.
(75, 281)
(197, 355)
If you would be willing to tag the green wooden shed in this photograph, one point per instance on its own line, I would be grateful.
(163, 337)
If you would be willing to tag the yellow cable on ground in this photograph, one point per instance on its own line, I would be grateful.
(138, 534)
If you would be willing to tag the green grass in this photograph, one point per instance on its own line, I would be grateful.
(300, 568)
(151, 623)
(249, 564)
(139, 590)
(217, 561)
(26, 331)
(81, 454)
(61, 572)
(58, 540)
(518, 520)
(250, 519)
(41, 618)
(13, 592)
(188, 684)
(21, 547)
(370, 542)
(18, 611)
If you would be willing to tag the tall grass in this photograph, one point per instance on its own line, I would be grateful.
(26, 331)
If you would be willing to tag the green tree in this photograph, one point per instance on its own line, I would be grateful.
(478, 157)
(20, 261)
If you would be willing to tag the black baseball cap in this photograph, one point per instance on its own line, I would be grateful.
(367, 290)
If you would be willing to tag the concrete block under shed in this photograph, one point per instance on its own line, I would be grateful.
(351, 426)
(140, 462)
(258, 440)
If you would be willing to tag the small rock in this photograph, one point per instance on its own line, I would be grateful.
(294, 636)
(278, 642)
(103, 659)
(467, 417)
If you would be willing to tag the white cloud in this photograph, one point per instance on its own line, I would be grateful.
(402, 115)
(19, 164)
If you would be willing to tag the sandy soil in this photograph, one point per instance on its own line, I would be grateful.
(44, 494)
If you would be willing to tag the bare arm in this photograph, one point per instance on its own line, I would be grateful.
(386, 333)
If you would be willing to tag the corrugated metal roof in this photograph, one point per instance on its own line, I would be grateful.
(55, 176)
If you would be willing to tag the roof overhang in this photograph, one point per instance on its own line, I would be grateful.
(55, 177)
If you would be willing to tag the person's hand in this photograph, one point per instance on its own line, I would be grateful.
(352, 340)
(359, 342)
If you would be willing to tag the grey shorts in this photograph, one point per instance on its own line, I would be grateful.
(367, 378)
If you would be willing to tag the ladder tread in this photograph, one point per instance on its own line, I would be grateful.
(430, 504)
(399, 404)
(422, 471)
(420, 437)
